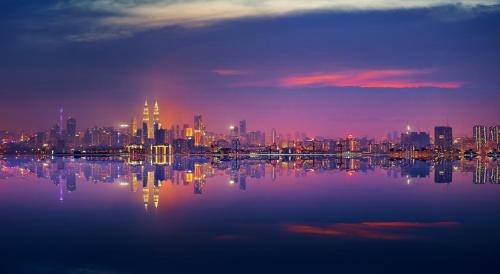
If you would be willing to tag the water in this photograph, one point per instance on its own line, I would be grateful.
(279, 215)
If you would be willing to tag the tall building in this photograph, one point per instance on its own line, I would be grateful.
(160, 136)
(158, 132)
(70, 133)
(480, 136)
(198, 123)
(145, 123)
(133, 131)
(494, 137)
(71, 127)
(61, 117)
(273, 136)
(243, 127)
(199, 130)
(415, 140)
(233, 131)
(156, 113)
(443, 137)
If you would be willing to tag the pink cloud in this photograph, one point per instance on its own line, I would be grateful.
(230, 72)
(385, 78)
(366, 230)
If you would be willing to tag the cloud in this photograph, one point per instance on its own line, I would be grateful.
(130, 16)
(230, 72)
(384, 78)
(367, 230)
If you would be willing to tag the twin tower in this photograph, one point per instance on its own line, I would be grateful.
(148, 126)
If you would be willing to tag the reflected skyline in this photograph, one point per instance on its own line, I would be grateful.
(148, 175)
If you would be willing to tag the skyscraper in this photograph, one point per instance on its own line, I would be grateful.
(415, 140)
(133, 126)
(156, 113)
(494, 132)
(199, 129)
(70, 136)
(158, 133)
(480, 136)
(273, 136)
(61, 117)
(443, 137)
(145, 123)
(243, 127)
(198, 122)
(71, 127)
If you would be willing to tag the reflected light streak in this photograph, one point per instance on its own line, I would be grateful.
(366, 230)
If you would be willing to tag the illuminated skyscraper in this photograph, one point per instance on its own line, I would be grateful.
(199, 130)
(494, 135)
(233, 131)
(273, 136)
(443, 137)
(145, 123)
(198, 123)
(156, 113)
(133, 126)
(480, 136)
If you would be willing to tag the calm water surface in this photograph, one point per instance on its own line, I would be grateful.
(280, 215)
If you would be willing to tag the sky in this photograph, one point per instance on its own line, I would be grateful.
(326, 68)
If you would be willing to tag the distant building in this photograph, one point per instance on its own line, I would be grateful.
(480, 136)
(443, 138)
(71, 127)
(494, 135)
(40, 138)
(180, 146)
(243, 127)
(145, 123)
(198, 123)
(160, 136)
(415, 140)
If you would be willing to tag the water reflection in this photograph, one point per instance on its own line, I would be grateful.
(150, 174)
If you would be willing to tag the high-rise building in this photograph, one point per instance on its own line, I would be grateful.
(160, 136)
(273, 136)
(198, 123)
(61, 117)
(40, 138)
(156, 113)
(199, 130)
(353, 144)
(443, 137)
(243, 127)
(233, 131)
(415, 140)
(133, 126)
(480, 136)
(494, 132)
(145, 123)
(71, 127)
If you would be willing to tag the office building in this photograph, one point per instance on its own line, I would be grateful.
(443, 137)
(480, 136)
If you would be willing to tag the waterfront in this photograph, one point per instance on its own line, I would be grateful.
(298, 215)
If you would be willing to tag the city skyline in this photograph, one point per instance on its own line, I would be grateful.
(249, 136)
(227, 127)
(320, 69)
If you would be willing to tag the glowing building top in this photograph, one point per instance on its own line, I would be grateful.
(145, 117)
(156, 113)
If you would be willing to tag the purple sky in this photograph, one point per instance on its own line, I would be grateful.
(320, 69)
